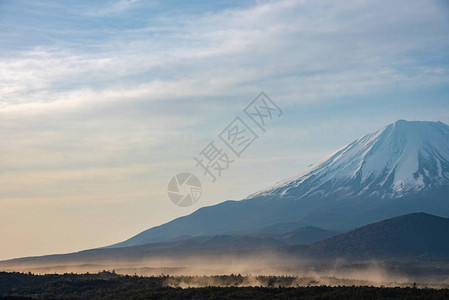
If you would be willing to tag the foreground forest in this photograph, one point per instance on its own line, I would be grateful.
(108, 285)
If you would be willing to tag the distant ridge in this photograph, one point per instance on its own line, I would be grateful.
(413, 235)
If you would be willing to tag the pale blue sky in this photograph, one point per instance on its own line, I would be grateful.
(101, 102)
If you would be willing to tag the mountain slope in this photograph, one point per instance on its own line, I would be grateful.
(411, 235)
(399, 169)
(221, 245)
(301, 235)
(305, 235)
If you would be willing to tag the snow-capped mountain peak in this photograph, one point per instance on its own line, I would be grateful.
(403, 157)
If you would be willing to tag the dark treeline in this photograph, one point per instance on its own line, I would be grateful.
(108, 285)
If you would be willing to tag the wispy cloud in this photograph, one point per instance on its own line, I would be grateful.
(311, 46)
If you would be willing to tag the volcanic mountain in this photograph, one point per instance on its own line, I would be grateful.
(399, 169)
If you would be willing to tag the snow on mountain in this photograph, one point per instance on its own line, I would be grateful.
(400, 158)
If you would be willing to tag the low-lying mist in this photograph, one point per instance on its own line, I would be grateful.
(266, 271)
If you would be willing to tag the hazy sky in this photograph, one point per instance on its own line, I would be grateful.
(102, 102)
